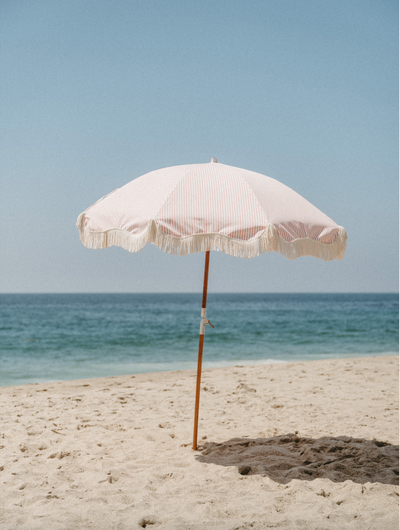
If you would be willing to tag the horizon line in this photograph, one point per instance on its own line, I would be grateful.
(197, 292)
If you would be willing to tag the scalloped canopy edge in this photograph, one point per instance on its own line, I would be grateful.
(268, 241)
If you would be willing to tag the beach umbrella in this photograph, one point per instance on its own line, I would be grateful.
(212, 206)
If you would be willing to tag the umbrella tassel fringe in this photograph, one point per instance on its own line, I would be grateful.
(268, 241)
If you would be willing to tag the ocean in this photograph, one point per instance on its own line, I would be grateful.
(57, 337)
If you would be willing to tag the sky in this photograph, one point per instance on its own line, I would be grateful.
(96, 93)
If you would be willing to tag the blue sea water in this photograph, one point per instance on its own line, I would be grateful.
(54, 337)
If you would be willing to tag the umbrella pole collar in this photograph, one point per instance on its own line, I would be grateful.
(204, 321)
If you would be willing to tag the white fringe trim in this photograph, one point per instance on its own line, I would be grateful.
(268, 241)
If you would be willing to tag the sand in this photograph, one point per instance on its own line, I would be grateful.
(309, 445)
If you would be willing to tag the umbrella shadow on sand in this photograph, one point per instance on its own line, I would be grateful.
(287, 457)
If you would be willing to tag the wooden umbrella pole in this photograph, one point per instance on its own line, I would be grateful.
(200, 356)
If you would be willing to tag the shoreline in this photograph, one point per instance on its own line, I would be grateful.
(206, 366)
(319, 438)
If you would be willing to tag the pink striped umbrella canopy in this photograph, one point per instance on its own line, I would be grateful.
(202, 207)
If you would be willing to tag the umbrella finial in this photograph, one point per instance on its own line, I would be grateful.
(214, 160)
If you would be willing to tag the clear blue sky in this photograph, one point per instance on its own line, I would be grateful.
(95, 93)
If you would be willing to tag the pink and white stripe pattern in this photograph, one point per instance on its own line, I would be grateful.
(198, 207)
(212, 200)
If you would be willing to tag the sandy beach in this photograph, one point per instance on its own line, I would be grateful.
(310, 445)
